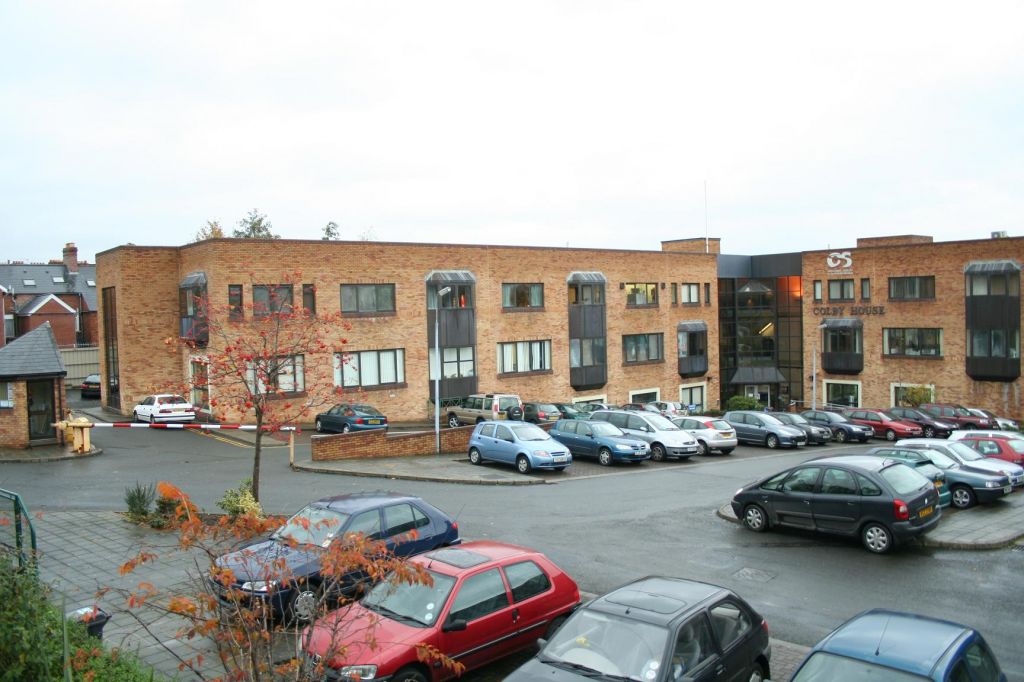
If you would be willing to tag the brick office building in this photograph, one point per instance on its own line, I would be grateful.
(545, 323)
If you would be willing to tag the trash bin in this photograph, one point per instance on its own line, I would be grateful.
(94, 619)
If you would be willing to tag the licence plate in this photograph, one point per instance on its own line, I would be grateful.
(726, 434)
(559, 458)
(1008, 489)
(374, 421)
(925, 512)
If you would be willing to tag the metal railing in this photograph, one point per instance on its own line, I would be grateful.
(17, 522)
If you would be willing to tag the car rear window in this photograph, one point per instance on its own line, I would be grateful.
(546, 407)
(170, 400)
(1016, 444)
(903, 479)
(368, 410)
(720, 424)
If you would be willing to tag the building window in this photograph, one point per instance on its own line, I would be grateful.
(692, 397)
(993, 285)
(6, 394)
(58, 279)
(369, 368)
(994, 343)
(586, 352)
(586, 294)
(912, 341)
(840, 290)
(899, 393)
(642, 348)
(522, 295)
(458, 363)
(675, 293)
(309, 299)
(707, 293)
(460, 296)
(8, 328)
(842, 393)
(28, 282)
(271, 298)
(642, 293)
(285, 375)
(865, 289)
(911, 288)
(236, 310)
(110, 349)
(842, 340)
(817, 291)
(692, 344)
(200, 384)
(690, 294)
(367, 298)
(90, 282)
(524, 356)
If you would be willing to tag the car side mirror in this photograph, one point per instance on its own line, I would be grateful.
(457, 625)
(541, 642)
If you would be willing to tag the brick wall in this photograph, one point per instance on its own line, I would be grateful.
(893, 240)
(378, 443)
(693, 245)
(14, 420)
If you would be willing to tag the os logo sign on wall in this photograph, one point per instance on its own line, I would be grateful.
(842, 260)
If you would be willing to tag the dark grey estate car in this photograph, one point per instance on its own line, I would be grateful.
(880, 500)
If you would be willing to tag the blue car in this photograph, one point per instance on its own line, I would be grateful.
(599, 439)
(898, 647)
(526, 446)
(407, 524)
(347, 417)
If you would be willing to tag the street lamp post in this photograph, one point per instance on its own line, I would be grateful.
(444, 291)
(814, 367)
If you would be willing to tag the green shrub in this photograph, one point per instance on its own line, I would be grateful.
(139, 499)
(742, 402)
(240, 501)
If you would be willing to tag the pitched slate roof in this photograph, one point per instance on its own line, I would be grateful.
(13, 276)
(32, 354)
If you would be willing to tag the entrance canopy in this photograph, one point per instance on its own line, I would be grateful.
(758, 375)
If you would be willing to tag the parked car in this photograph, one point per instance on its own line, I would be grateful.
(91, 386)
(487, 600)
(843, 429)
(760, 428)
(884, 425)
(284, 570)
(895, 646)
(882, 501)
(967, 486)
(588, 407)
(667, 408)
(346, 417)
(535, 413)
(1009, 449)
(656, 630)
(970, 458)
(162, 408)
(665, 438)
(922, 465)
(476, 408)
(711, 433)
(570, 411)
(931, 426)
(985, 433)
(599, 439)
(959, 415)
(1002, 423)
(518, 443)
(815, 434)
(634, 407)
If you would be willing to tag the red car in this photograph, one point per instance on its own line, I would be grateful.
(884, 425)
(959, 415)
(1009, 449)
(488, 600)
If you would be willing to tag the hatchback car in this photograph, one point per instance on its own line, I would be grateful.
(815, 434)
(843, 429)
(486, 600)
(711, 433)
(958, 414)
(900, 647)
(1009, 449)
(537, 413)
(476, 408)
(884, 425)
(607, 442)
(521, 444)
(162, 408)
(656, 630)
(284, 570)
(920, 464)
(570, 411)
(931, 426)
(882, 501)
(967, 486)
(348, 417)
(91, 386)
(1003, 423)
(760, 428)
(665, 438)
(969, 457)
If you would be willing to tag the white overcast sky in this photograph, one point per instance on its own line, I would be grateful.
(585, 123)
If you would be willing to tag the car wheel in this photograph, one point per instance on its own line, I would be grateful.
(135, 417)
(523, 464)
(841, 436)
(345, 428)
(929, 432)
(890, 435)
(772, 441)
(152, 419)
(604, 457)
(302, 606)
(658, 452)
(755, 519)
(409, 674)
(453, 421)
(474, 456)
(702, 448)
(963, 497)
(758, 674)
(318, 426)
(876, 538)
(726, 451)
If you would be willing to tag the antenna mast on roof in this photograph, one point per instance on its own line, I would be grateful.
(707, 248)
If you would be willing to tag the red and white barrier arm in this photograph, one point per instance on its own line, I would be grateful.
(204, 427)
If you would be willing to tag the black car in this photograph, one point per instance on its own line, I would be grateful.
(656, 630)
(882, 501)
(932, 426)
(815, 434)
(91, 386)
(537, 413)
(843, 429)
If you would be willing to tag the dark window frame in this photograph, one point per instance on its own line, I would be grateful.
(309, 299)
(660, 343)
(842, 294)
(399, 368)
(236, 302)
(586, 294)
(598, 346)
(649, 291)
(356, 289)
(512, 295)
(923, 285)
(816, 291)
(276, 301)
(897, 340)
(689, 290)
(535, 348)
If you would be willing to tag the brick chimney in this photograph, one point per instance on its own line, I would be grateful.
(71, 257)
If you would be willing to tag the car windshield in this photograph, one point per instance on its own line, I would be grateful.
(961, 412)
(312, 526)
(569, 410)
(93, 379)
(606, 429)
(721, 425)
(796, 419)
(661, 423)
(530, 432)
(784, 418)
(941, 459)
(889, 415)
(825, 667)
(769, 419)
(597, 644)
(964, 452)
(835, 417)
(368, 410)
(413, 604)
(903, 479)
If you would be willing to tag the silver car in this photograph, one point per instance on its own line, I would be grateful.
(711, 433)
(968, 457)
(665, 438)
